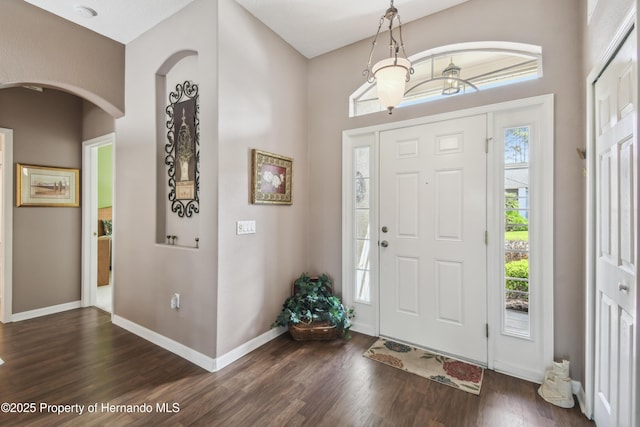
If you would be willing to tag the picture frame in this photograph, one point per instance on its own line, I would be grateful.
(272, 179)
(47, 186)
(183, 149)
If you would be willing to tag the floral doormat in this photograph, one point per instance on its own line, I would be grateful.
(436, 367)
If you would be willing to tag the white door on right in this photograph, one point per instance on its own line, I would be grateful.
(616, 225)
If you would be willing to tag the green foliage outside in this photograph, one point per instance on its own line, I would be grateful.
(517, 270)
(517, 235)
(513, 220)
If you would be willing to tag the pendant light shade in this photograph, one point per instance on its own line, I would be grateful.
(392, 74)
(391, 78)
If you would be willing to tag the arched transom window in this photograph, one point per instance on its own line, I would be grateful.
(482, 65)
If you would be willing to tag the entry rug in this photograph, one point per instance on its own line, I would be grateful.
(451, 372)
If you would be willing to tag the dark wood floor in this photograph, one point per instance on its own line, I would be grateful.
(79, 357)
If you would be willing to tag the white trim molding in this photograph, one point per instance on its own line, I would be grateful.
(45, 311)
(7, 234)
(578, 390)
(207, 363)
(90, 210)
(246, 348)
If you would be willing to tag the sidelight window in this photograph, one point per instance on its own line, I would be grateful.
(362, 203)
(516, 231)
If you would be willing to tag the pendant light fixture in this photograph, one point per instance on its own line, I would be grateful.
(390, 74)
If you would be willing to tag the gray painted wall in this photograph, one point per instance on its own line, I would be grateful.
(334, 76)
(96, 122)
(147, 274)
(39, 47)
(232, 287)
(47, 130)
(263, 105)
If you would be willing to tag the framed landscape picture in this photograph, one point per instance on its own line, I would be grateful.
(47, 186)
(272, 179)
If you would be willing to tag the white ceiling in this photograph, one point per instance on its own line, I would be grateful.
(312, 27)
(120, 20)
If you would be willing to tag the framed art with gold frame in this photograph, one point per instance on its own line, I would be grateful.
(47, 186)
(272, 179)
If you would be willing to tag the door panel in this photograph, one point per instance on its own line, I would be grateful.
(433, 267)
(616, 222)
(449, 292)
(408, 285)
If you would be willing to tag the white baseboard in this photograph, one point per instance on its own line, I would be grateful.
(31, 314)
(518, 371)
(246, 348)
(193, 356)
(363, 329)
(578, 390)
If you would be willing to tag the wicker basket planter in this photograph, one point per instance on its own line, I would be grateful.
(315, 331)
(312, 312)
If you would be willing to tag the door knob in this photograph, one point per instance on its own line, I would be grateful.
(384, 244)
(623, 287)
(385, 229)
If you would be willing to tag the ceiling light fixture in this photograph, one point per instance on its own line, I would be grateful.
(390, 74)
(451, 76)
(85, 11)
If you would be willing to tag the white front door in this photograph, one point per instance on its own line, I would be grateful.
(616, 230)
(432, 236)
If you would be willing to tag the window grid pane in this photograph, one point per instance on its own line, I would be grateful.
(516, 232)
(362, 226)
(483, 68)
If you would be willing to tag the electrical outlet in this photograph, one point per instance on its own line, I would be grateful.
(175, 301)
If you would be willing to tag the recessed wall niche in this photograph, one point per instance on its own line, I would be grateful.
(177, 151)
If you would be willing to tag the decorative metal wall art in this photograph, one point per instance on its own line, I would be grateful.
(183, 149)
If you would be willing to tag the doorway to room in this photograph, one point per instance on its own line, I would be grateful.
(98, 225)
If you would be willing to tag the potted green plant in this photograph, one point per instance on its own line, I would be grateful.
(313, 312)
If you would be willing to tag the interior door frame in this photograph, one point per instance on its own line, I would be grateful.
(628, 23)
(367, 318)
(90, 215)
(7, 216)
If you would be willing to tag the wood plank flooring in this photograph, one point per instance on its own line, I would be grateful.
(79, 357)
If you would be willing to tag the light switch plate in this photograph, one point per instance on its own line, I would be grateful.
(246, 227)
